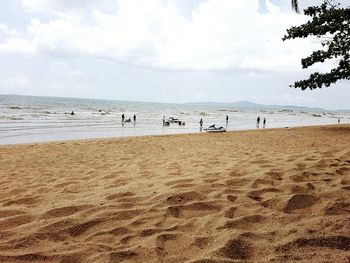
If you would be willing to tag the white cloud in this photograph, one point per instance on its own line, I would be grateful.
(7, 30)
(60, 7)
(220, 35)
(18, 44)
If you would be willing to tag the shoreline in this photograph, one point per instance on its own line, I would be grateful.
(165, 134)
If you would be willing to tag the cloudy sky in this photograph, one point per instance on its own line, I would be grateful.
(158, 50)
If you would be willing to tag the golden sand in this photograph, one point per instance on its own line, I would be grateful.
(274, 195)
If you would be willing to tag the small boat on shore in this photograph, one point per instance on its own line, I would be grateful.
(212, 128)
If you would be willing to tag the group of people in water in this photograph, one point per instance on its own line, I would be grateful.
(182, 123)
(128, 120)
(258, 122)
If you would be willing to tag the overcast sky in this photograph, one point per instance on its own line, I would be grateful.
(158, 50)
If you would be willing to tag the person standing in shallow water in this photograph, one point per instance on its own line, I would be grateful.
(134, 117)
(123, 119)
(226, 120)
(201, 124)
(258, 122)
(264, 123)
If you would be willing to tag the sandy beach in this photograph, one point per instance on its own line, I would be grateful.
(273, 195)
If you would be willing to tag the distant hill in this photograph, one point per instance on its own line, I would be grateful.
(251, 105)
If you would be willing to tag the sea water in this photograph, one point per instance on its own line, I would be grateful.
(26, 119)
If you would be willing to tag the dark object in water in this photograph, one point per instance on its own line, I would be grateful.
(72, 113)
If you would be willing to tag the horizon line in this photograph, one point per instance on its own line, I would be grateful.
(178, 103)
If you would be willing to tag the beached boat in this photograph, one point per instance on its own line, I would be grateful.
(212, 128)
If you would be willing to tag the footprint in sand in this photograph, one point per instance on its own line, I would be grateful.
(256, 194)
(343, 171)
(300, 201)
(298, 178)
(202, 242)
(230, 213)
(231, 198)
(184, 197)
(169, 245)
(121, 256)
(299, 189)
(80, 229)
(274, 175)
(338, 208)
(237, 249)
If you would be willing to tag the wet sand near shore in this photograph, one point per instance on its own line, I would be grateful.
(273, 195)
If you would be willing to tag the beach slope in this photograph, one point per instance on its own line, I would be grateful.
(274, 195)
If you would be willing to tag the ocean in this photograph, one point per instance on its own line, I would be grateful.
(27, 119)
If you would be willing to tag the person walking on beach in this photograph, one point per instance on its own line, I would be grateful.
(338, 120)
(201, 125)
(226, 120)
(258, 122)
(264, 123)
